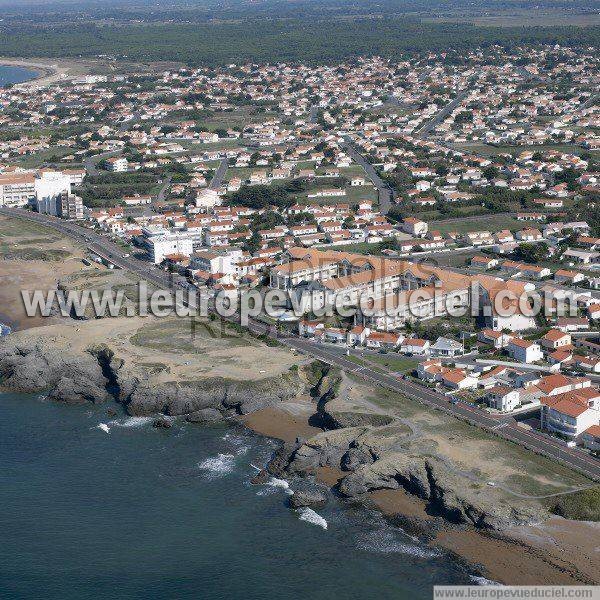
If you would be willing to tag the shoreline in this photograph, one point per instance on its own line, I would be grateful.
(505, 558)
(45, 73)
(492, 557)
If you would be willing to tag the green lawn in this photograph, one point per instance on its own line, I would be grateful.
(491, 223)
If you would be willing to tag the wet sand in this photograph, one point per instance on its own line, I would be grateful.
(280, 424)
(399, 502)
(512, 563)
(558, 552)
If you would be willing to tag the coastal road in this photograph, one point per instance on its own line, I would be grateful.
(217, 180)
(505, 427)
(386, 194)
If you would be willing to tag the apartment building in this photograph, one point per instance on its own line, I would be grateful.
(17, 189)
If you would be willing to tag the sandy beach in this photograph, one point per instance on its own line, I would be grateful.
(558, 552)
(46, 73)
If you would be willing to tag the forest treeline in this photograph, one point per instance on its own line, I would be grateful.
(291, 40)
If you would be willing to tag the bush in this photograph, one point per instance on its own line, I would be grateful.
(581, 506)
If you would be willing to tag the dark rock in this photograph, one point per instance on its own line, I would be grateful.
(34, 368)
(205, 415)
(162, 423)
(313, 498)
(260, 478)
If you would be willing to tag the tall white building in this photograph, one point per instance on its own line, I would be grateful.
(117, 164)
(207, 199)
(162, 243)
(50, 188)
(17, 189)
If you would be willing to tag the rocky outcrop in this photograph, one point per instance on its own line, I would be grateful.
(205, 416)
(35, 368)
(187, 398)
(98, 374)
(447, 491)
(310, 496)
(376, 459)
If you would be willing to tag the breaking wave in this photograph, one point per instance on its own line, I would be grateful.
(280, 483)
(130, 422)
(388, 542)
(218, 465)
(483, 581)
(310, 516)
(104, 427)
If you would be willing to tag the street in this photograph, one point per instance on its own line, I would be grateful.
(385, 192)
(217, 180)
(505, 427)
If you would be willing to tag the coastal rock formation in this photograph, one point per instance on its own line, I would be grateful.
(205, 416)
(99, 374)
(35, 367)
(376, 459)
(308, 496)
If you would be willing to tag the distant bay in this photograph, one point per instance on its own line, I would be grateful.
(11, 74)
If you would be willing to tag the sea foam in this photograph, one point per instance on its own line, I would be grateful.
(218, 465)
(388, 542)
(280, 483)
(131, 422)
(104, 427)
(310, 516)
(483, 581)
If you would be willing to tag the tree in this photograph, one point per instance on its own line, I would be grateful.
(532, 253)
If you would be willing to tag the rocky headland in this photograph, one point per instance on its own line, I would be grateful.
(349, 439)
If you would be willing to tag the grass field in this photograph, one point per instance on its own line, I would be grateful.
(474, 451)
(491, 223)
(390, 361)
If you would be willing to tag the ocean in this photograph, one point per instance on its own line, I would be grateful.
(94, 506)
(10, 74)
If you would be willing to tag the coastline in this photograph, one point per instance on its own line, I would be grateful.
(522, 556)
(45, 73)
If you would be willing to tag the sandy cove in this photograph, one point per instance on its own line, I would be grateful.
(532, 555)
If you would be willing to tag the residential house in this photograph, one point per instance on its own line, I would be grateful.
(415, 346)
(524, 351)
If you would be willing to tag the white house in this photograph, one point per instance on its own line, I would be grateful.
(503, 398)
(415, 346)
(571, 413)
(446, 347)
(524, 351)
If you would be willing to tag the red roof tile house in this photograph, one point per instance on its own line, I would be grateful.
(457, 379)
(591, 438)
(415, 346)
(524, 351)
(571, 413)
(382, 340)
(555, 340)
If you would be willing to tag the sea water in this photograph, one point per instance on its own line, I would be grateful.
(10, 74)
(98, 506)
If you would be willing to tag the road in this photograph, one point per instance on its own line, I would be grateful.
(503, 426)
(91, 162)
(444, 112)
(163, 190)
(217, 180)
(386, 194)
